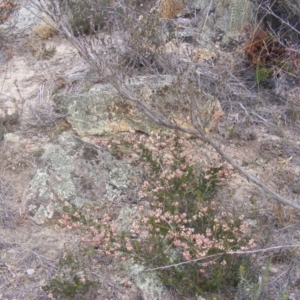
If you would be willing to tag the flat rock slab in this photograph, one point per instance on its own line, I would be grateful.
(103, 111)
(73, 173)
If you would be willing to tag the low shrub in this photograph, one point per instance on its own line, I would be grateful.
(86, 17)
(184, 235)
(269, 56)
(71, 280)
(274, 42)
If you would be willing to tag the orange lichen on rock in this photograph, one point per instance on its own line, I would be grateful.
(170, 8)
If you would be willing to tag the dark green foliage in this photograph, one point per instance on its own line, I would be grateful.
(86, 16)
(262, 73)
(250, 287)
(66, 289)
(70, 282)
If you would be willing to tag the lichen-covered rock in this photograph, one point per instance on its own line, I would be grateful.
(25, 17)
(103, 111)
(148, 283)
(170, 8)
(11, 138)
(73, 173)
(227, 15)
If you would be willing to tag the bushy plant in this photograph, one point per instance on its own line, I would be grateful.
(184, 234)
(71, 281)
(250, 287)
(274, 41)
(86, 16)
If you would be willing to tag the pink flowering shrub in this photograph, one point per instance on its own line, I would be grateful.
(184, 233)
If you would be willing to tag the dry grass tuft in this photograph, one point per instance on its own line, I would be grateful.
(45, 30)
(44, 115)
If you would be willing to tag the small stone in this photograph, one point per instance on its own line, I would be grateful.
(11, 138)
(273, 270)
(30, 271)
(35, 138)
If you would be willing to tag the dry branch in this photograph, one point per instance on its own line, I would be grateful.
(213, 256)
(105, 64)
(205, 138)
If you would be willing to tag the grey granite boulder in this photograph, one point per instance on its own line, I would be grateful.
(228, 15)
(73, 173)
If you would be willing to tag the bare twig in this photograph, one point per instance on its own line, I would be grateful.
(275, 248)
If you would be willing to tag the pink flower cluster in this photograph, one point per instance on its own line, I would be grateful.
(194, 228)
